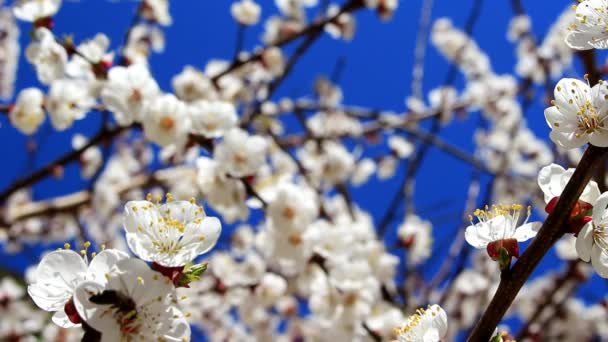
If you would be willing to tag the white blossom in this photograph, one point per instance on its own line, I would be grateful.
(330, 163)
(144, 39)
(157, 10)
(589, 29)
(224, 194)
(343, 26)
(426, 325)
(363, 170)
(91, 159)
(400, 146)
(28, 114)
(294, 8)
(91, 61)
(172, 234)
(145, 311)
(387, 167)
(246, 12)
(552, 180)
(239, 153)
(68, 100)
(592, 240)
(417, 236)
(166, 120)
(578, 114)
(48, 56)
(385, 8)
(60, 272)
(212, 118)
(10, 51)
(128, 91)
(500, 223)
(192, 84)
(293, 208)
(519, 26)
(32, 10)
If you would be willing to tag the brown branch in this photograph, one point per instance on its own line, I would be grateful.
(48, 169)
(552, 230)
(406, 190)
(5, 108)
(254, 110)
(372, 334)
(74, 201)
(350, 6)
(134, 21)
(517, 7)
(376, 126)
(589, 62)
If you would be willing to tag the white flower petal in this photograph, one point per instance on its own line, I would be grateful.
(57, 275)
(599, 260)
(140, 215)
(527, 231)
(477, 235)
(579, 40)
(571, 94)
(599, 138)
(138, 281)
(599, 208)
(568, 140)
(584, 242)
(93, 314)
(558, 121)
(103, 262)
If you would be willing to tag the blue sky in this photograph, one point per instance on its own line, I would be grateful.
(376, 74)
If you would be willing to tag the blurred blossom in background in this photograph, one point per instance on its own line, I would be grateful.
(297, 169)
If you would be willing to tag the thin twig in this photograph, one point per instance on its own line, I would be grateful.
(317, 25)
(48, 169)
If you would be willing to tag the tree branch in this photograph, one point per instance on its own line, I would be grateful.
(552, 229)
(46, 170)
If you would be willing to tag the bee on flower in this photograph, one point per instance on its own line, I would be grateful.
(136, 303)
(60, 272)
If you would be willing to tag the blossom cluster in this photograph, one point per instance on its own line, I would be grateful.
(116, 297)
(305, 258)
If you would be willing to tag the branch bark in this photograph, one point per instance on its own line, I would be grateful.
(552, 229)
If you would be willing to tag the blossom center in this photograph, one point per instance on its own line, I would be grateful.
(600, 236)
(239, 158)
(166, 246)
(295, 239)
(588, 119)
(511, 214)
(136, 96)
(289, 213)
(409, 330)
(174, 224)
(167, 123)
